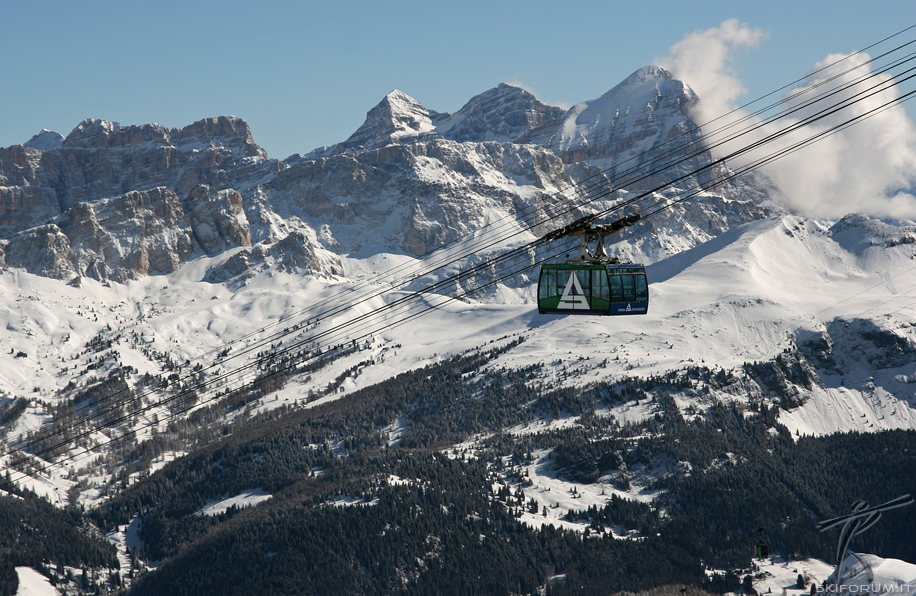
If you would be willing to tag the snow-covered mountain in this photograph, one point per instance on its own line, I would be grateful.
(142, 261)
(409, 180)
(205, 207)
(503, 114)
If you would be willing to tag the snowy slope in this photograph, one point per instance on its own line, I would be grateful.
(32, 583)
(742, 297)
(878, 576)
(731, 300)
(316, 246)
(867, 574)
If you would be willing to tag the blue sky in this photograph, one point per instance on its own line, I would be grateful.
(304, 74)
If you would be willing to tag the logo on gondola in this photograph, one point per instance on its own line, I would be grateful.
(573, 296)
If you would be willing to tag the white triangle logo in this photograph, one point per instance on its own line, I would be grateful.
(573, 298)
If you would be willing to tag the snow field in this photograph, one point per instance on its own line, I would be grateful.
(741, 297)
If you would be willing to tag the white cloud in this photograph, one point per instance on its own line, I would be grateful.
(869, 167)
(705, 60)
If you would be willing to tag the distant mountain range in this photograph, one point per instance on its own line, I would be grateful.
(408, 180)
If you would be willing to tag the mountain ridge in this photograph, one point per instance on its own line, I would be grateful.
(205, 317)
(425, 178)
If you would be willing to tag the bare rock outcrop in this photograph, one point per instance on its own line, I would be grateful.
(101, 159)
(139, 233)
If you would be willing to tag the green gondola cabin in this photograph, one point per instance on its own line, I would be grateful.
(593, 288)
(592, 283)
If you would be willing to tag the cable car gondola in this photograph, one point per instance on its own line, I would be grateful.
(593, 289)
(593, 284)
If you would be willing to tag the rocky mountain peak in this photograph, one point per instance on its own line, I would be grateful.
(228, 131)
(650, 72)
(408, 180)
(102, 159)
(645, 115)
(652, 87)
(504, 114)
(46, 140)
(396, 118)
(647, 104)
(93, 133)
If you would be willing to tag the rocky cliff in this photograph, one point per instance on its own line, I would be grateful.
(114, 202)
(140, 233)
(101, 159)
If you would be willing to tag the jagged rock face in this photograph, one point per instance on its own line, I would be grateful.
(44, 251)
(297, 252)
(140, 233)
(409, 180)
(236, 265)
(102, 134)
(230, 132)
(503, 114)
(844, 344)
(23, 205)
(101, 159)
(414, 198)
(217, 219)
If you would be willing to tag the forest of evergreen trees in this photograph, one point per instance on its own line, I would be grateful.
(33, 533)
(428, 523)
(446, 531)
